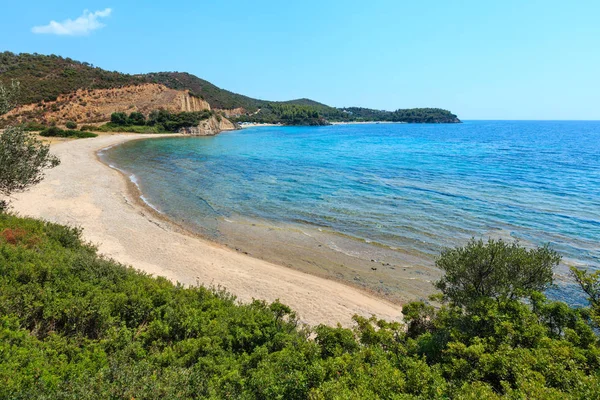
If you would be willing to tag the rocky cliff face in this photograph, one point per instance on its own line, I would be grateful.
(210, 127)
(97, 105)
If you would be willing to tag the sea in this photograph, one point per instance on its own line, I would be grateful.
(375, 204)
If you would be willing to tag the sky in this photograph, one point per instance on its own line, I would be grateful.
(507, 59)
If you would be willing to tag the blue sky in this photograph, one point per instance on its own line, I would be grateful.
(480, 59)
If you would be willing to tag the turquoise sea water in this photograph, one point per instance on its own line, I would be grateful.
(415, 188)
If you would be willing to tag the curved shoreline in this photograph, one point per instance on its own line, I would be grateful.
(86, 192)
(390, 274)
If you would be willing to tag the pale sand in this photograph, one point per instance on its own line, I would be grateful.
(244, 125)
(84, 192)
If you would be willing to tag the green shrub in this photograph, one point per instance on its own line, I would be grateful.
(71, 125)
(54, 131)
(82, 134)
(159, 121)
(137, 118)
(119, 118)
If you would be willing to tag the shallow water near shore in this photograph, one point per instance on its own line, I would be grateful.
(374, 204)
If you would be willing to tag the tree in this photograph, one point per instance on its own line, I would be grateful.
(590, 284)
(119, 118)
(137, 118)
(495, 269)
(23, 159)
(8, 96)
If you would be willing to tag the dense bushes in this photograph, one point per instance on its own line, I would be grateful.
(158, 121)
(53, 131)
(74, 325)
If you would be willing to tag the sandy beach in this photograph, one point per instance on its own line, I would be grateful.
(244, 125)
(84, 192)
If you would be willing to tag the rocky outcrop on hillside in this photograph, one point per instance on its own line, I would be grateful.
(96, 105)
(209, 127)
(234, 112)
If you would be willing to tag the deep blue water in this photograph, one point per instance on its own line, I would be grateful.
(413, 187)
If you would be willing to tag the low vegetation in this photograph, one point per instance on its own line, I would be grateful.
(159, 121)
(74, 324)
(53, 131)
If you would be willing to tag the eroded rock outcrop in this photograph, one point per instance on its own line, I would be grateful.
(209, 127)
(234, 112)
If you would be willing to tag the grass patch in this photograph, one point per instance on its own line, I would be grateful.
(110, 127)
(66, 133)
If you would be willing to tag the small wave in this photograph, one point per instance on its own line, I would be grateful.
(150, 204)
(104, 149)
(133, 179)
(334, 247)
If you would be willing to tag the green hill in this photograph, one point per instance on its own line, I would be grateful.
(45, 77)
(216, 97)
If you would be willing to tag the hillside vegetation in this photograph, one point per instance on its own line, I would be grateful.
(76, 325)
(45, 78)
(293, 114)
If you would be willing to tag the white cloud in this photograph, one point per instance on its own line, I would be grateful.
(81, 26)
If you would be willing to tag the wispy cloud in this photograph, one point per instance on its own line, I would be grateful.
(83, 25)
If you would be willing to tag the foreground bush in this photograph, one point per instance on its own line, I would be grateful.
(23, 159)
(76, 325)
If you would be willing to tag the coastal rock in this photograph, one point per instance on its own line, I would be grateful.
(209, 127)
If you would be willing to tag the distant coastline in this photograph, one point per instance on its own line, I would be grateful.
(57, 91)
(245, 125)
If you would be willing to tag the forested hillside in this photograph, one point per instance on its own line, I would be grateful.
(44, 78)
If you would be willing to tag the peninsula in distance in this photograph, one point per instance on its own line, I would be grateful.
(56, 90)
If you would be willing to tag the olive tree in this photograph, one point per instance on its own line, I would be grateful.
(23, 159)
(8, 96)
(496, 269)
